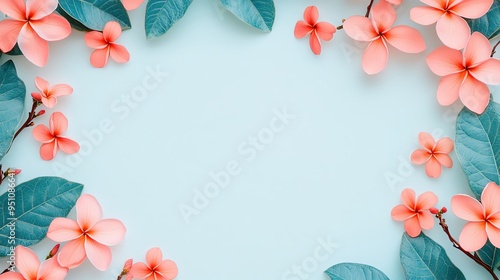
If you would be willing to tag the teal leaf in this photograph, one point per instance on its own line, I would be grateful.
(257, 13)
(12, 94)
(355, 271)
(37, 203)
(490, 255)
(489, 24)
(422, 258)
(477, 144)
(162, 14)
(94, 14)
(15, 51)
(73, 22)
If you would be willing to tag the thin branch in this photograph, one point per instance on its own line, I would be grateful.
(369, 8)
(494, 50)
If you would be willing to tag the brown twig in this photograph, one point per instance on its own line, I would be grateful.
(369, 8)
(494, 50)
(31, 116)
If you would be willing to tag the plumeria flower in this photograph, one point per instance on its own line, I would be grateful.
(31, 25)
(484, 219)
(316, 30)
(451, 28)
(48, 95)
(415, 212)
(89, 236)
(126, 270)
(131, 4)
(105, 46)
(434, 154)
(378, 31)
(155, 267)
(465, 74)
(51, 137)
(30, 267)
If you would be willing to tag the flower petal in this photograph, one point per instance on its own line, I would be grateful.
(425, 15)
(360, 28)
(37, 9)
(108, 232)
(27, 262)
(154, 257)
(302, 29)
(493, 234)
(168, 269)
(426, 201)
(64, 229)
(9, 31)
(88, 211)
(72, 253)
(112, 31)
(405, 39)
(453, 31)
(60, 90)
(444, 160)
(52, 28)
(311, 15)
(426, 220)
(11, 276)
(67, 145)
(474, 94)
(487, 72)
(384, 16)
(426, 141)
(314, 43)
(412, 226)
(95, 40)
(15, 9)
(467, 208)
(473, 236)
(449, 88)
(408, 198)
(433, 168)
(471, 8)
(119, 53)
(49, 102)
(420, 156)
(401, 213)
(375, 57)
(438, 4)
(42, 134)
(48, 150)
(444, 146)
(490, 198)
(99, 58)
(98, 254)
(42, 85)
(445, 61)
(131, 4)
(140, 270)
(58, 123)
(477, 50)
(325, 30)
(34, 48)
(50, 269)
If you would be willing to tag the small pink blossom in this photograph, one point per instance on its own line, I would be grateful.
(316, 30)
(105, 46)
(378, 31)
(89, 236)
(451, 28)
(434, 154)
(465, 74)
(484, 219)
(155, 267)
(51, 137)
(48, 95)
(415, 212)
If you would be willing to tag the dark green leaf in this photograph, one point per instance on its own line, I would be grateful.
(490, 255)
(74, 23)
(489, 24)
(162, 14)
(12, 94)
(257, 13)
(94, 14)
(37, 203)
(477, 144)
(355, 271)
(422, 259)
(15, 51)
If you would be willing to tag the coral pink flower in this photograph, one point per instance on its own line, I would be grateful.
(379, 31)
(465, 74)
(131, 4)
(451, 28)
(51, 137)
(48, 95)
(155, 267)
(31, 25)
(484, 219)
(126, 270)
(434, 154)
(89, 236)
(105, 46)
(415, 213)
(317, 30)
(30, 267)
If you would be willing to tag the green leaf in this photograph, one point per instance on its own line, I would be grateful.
(257, 13)
(37, 203)
(490, 255)
(162, 14)
(355, 271)
(422, 258)
(12, 94)
(489, 24)
(94, 14)
(477, 144)
(15, 51)
(73, 22)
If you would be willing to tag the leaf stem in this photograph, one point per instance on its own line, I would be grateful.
(494, 50)
(475, 257)
(29, 121)
(369, 8)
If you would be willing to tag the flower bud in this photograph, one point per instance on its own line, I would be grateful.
(444, 210)
(36, 96)
(16, 171)
(53, 252)
(434, 210)
(41, 112)
(127, 266)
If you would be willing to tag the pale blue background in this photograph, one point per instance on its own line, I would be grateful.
(321, 178)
